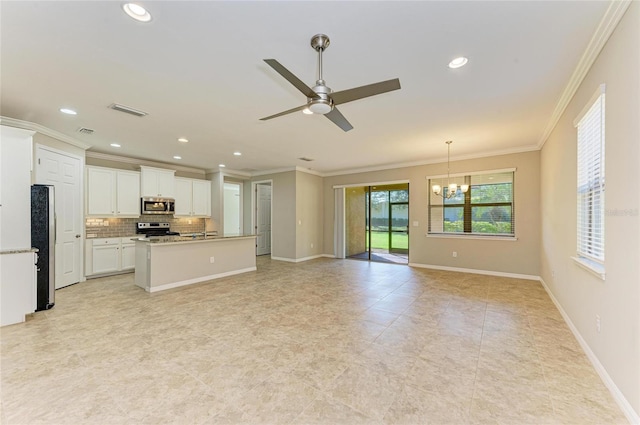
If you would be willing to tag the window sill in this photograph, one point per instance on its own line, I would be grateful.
(590, 266)
(477, 237)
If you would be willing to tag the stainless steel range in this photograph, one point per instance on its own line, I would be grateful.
(155, 229)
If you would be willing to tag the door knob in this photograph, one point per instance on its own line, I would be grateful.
(78, 236)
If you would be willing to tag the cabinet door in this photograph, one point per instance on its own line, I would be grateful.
(201, 198)
(128, 193)
(106, 258)
(101, 191)
(149, 183)
(128, 257)
(183, 197)
(166, 184)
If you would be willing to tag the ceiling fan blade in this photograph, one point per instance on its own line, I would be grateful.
(299, 108)
(339, 119)
(349, 95)
(288, 75)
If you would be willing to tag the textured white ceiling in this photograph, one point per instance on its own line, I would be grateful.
(198, 70)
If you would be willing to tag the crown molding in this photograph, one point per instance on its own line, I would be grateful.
(309, 171)
(522, 149)
(235, 173)
(145, 162)
(607, 25)
(27, 125)
(272, 171)
(228, 172)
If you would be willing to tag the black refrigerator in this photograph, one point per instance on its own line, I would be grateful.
(43, 237)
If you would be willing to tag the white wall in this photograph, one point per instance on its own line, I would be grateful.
(581, 294)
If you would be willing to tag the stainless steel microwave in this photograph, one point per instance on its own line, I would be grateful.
(150, 205)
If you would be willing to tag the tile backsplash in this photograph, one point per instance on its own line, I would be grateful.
(120, 227)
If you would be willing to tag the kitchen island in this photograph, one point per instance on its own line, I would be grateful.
(169, 262)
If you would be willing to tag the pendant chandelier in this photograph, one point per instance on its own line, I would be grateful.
(453, 187)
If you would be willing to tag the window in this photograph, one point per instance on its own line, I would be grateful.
(590, 181)
(485, 209)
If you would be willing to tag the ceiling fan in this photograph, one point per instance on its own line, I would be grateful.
(320, 98)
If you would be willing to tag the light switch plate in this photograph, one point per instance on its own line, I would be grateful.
(416, 224)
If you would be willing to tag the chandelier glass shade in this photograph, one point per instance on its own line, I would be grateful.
(452, 188)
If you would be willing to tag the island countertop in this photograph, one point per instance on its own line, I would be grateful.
(170, 240)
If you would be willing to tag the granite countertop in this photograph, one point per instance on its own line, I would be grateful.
(111, 237)
(18, 251)
(189, 239)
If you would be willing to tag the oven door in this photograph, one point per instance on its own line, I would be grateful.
(156, 206)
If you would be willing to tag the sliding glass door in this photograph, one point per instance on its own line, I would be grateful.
(377, 219)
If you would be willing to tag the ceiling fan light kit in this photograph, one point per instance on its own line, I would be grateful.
(321, 99)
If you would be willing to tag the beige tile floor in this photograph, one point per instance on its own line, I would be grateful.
(325, 341)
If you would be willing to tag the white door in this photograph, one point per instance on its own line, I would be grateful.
(232, 210)
(64, 173)
(263, 219)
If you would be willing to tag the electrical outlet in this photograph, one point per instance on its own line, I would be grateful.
(598, 323)
(454, 254)
(553, 273)
(312, 245)
(212, 260)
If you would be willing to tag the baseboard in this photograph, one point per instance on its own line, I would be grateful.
(623, 403)
(475, 271)
(328, 256)
(297, 260)
(199, 279)
(99, 275)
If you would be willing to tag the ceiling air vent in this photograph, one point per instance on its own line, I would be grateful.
(128, 110)
(305, 159)
(84, 130)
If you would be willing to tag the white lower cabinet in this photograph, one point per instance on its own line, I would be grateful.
(106, 255)
(127, 254)
(109, 255)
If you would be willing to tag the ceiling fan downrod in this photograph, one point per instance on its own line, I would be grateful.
(319, 43)
(322, 103)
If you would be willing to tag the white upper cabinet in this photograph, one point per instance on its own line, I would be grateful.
(201, 203)
(193, 197)
(128, 193)
(157, 182)
(183, 197)
(112, 192)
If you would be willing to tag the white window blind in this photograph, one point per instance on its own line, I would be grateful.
(591, 182)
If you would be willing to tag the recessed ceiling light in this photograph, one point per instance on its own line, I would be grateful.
(183, 140)
(68, 111)
(137, 12)
(307, 111)
(115, 145)
(237, 153)
(177, 157)
(458, 62)
(221, 165)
